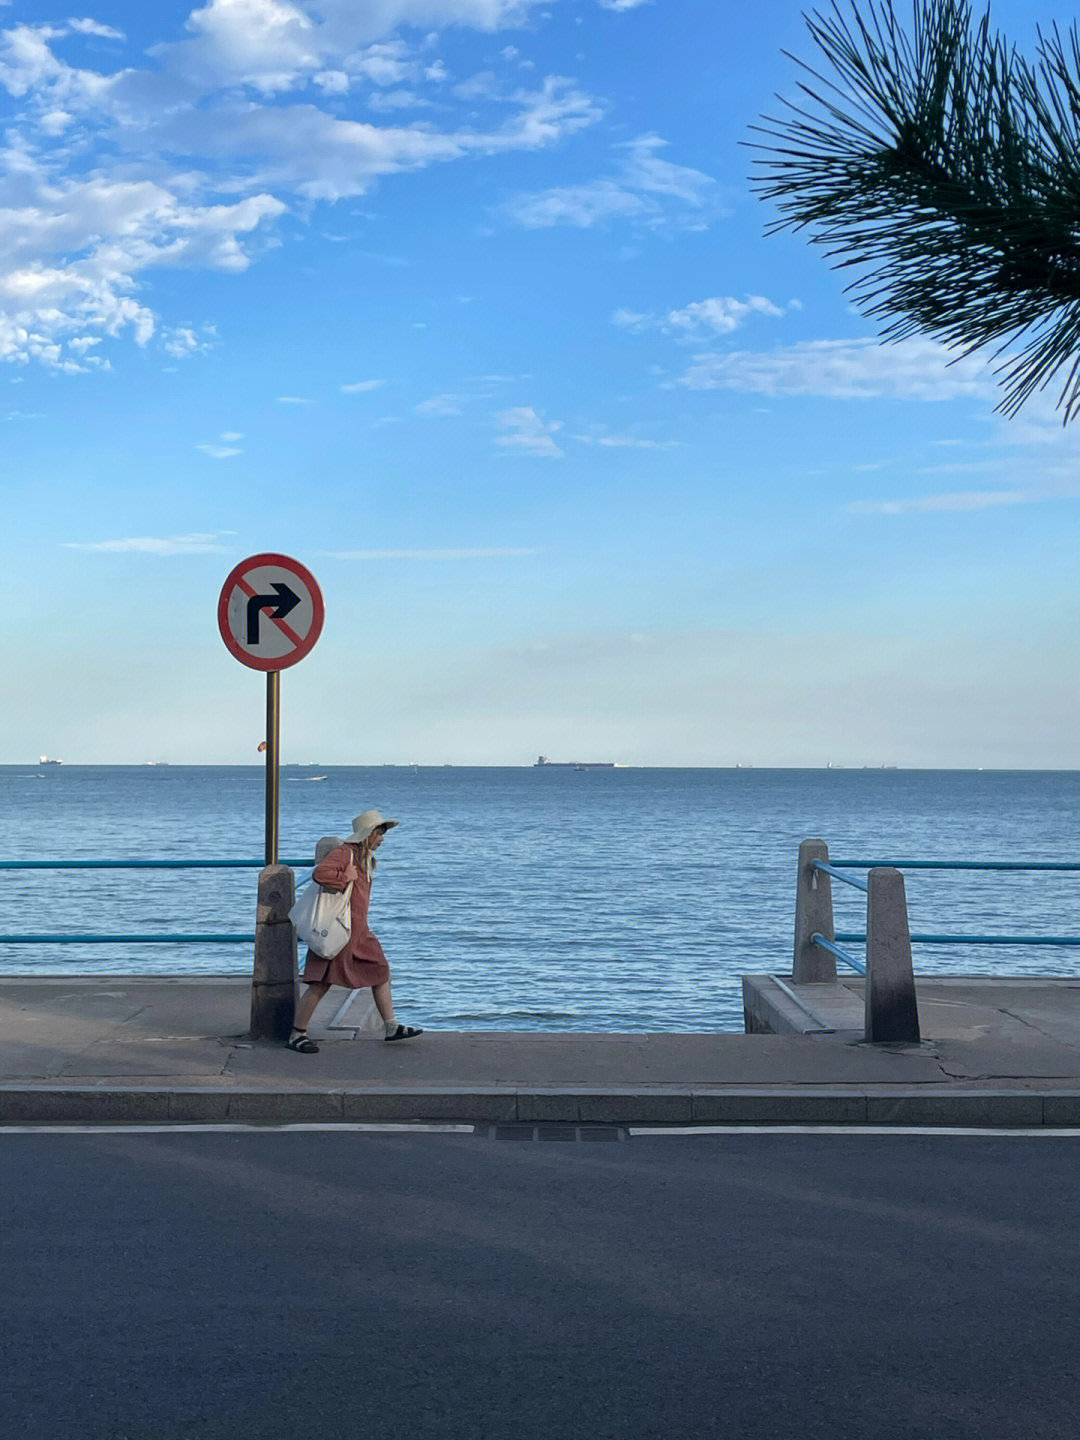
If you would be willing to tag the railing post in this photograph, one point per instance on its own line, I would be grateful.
(274, 980)
(813, 914)
(891, 1009)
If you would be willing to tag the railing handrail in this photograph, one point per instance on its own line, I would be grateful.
(156, 939)
(835, 868)
(825, 869)
(843, 955)
(944, 865)
(852, 938)
(197, 864)
(186, 938)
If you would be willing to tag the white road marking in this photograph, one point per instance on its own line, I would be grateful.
(374, 1126)
(436, 1127)
(677, 1131)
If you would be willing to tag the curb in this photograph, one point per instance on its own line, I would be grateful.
(93, 1104)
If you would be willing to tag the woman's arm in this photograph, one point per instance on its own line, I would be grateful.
(337, 870)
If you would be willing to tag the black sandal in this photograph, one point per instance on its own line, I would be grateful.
(404, 1032)
(300, 1042)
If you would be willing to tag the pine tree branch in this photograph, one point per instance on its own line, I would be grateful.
(945, 170)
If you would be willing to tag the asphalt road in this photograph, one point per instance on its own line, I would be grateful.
(281, 1284)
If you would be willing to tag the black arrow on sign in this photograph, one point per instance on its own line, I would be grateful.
(284, 601)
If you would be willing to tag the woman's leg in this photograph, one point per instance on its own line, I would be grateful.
(384, 1002)
(311, 997)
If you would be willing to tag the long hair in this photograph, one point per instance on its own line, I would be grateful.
(367, 855)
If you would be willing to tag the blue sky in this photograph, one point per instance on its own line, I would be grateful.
(468, 305)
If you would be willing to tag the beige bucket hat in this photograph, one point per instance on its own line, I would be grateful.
(364, 824)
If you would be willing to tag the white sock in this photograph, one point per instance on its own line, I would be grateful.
(390, 1026)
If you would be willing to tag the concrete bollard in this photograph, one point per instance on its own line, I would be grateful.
(813, 914)
(274, 980)
(891, 1009)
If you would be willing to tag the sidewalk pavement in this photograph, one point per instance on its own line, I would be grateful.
(124, 1048)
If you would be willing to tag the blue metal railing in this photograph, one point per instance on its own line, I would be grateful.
(190, 938)
(950, 864)
(843, 955)
(145, 864)
(836, 869)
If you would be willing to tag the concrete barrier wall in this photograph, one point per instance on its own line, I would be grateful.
(274, 981)
(813, 915)
(892, 1013)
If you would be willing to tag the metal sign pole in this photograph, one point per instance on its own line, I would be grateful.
(273, 728)
(270, 614)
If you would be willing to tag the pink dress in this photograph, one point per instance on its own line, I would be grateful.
(362, 962)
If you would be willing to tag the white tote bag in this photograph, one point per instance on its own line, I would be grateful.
(322, 920)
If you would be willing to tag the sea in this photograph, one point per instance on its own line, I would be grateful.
(547, 899)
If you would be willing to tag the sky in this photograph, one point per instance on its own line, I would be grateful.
(470, 307)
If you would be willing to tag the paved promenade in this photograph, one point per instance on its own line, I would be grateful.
(119, 1049)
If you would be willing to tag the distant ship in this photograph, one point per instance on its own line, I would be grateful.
(44, 760)
(543, 762)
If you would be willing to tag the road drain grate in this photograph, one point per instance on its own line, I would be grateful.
(571, 1133)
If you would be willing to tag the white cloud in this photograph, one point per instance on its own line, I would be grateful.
(182, 341)
(648, 171)
(293, 400)
(647, 189)
(621, 4)
(846, 370)
(498, 553)
(579, 205)
(264, 43)
(71, 251)
(149, 545)
(523, 429)
(719, 315)
(632, 319)
(385, 100)
(94, 27)
(626, 442)
(362, 387)
(440, 405)
(275, 45)
(109, 176)
(320, 156)
(331, 82)
(477, 87)
(955, 502)
(387, 64)
(224, 448)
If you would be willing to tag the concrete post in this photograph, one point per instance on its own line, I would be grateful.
(891, 1010)
(813, 914)
(274, 981)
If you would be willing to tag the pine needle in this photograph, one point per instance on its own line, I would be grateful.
(945, 169)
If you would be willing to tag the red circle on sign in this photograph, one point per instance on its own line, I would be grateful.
(301, 643)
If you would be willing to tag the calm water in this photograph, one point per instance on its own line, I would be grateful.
(543, 899)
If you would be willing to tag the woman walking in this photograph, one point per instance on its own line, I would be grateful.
(362, 962)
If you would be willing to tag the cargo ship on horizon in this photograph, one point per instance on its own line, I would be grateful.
(543, 763)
